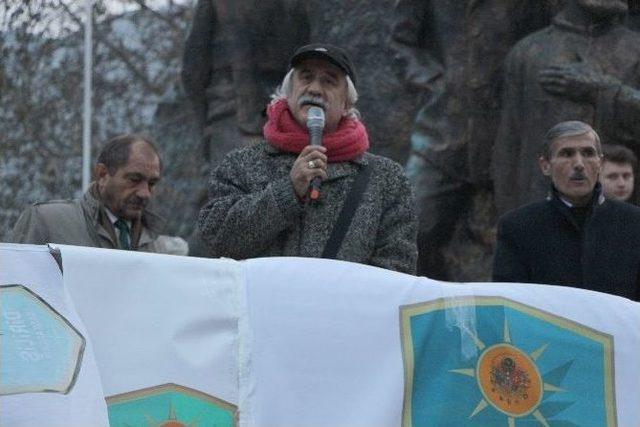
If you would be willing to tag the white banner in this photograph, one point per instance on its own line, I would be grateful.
(48, 375)
(339, 344)
(280, 342)
(165, 331)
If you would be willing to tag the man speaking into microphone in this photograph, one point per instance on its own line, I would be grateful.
(322, 196)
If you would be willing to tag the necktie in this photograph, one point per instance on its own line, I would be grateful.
(123, 234)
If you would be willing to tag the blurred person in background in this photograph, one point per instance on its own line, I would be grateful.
(618, 173)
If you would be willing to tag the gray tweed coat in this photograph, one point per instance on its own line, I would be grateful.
(253, 212)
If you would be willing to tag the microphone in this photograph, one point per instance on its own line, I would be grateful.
(315, 125)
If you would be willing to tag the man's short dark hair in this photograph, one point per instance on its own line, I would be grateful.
(567, 129)
(116, 153)
(620, 154)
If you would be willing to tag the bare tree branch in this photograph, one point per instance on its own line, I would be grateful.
(122, 54)
(143, 5)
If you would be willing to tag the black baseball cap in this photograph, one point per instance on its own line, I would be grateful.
(334, 54)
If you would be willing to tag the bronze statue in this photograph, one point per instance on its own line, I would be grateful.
(234, 57)
(633, 19)
(585, 66)
(454, 50)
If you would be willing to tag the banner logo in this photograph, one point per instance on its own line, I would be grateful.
(170, 405)
(40, 350)
(509, 380)
(490, 361)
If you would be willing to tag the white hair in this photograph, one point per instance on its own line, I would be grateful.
(284, 90)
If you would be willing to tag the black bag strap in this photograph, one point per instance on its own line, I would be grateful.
(346, 214)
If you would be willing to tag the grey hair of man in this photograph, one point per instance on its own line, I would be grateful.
(568, 129)
(285, 88)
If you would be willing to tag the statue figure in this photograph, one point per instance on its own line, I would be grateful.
(633, 19)
(454, 50)
(585, 66)
(235, 54)
(386, 104)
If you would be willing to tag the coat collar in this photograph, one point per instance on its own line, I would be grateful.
(558, 203)
(597, 197)
(144, 231)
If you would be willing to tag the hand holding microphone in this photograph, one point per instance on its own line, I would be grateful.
(310, 168)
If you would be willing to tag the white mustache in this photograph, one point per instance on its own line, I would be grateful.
(311, 100)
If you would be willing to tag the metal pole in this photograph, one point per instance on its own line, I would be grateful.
(86, 113)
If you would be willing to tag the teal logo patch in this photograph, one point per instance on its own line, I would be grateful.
(490, 361)
(170, 405)
(40, 351)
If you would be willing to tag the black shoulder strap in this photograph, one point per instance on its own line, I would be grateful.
(346, 214)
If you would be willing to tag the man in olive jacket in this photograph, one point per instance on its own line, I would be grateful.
(112, 213)
(259, 199)
(575, 237)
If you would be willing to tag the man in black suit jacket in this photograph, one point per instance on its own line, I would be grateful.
(575, 237)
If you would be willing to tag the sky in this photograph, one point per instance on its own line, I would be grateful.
(120, 6)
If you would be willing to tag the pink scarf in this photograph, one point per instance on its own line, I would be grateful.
(282, 131)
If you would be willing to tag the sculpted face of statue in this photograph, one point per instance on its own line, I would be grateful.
(604, 7)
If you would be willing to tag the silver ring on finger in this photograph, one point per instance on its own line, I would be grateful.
(311, 164)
